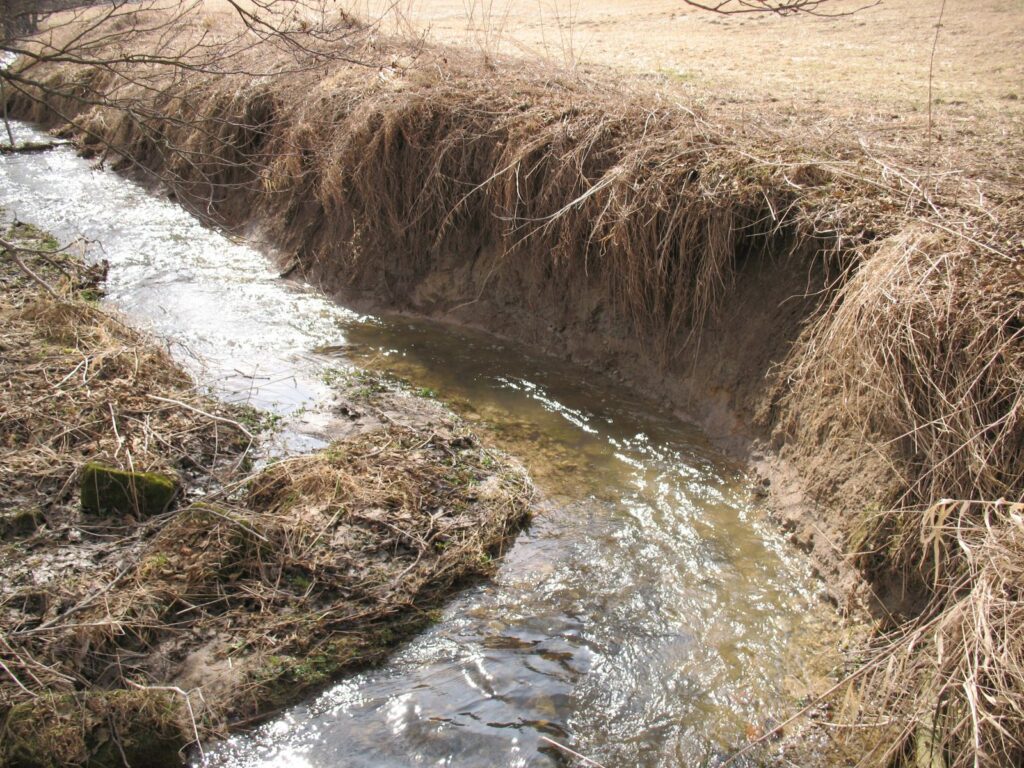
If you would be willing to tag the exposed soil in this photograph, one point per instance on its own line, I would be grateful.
(835, 294)
(717, 379)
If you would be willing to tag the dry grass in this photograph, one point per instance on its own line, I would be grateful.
(951, 681)
(922, 352)
(127, 639)
(916, 354)
(925, 338)
(79, 385)
(327, 562)
(874, 62)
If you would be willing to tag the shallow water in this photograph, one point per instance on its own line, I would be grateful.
(646, 618)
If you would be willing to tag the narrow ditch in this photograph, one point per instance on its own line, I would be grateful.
(648, 617)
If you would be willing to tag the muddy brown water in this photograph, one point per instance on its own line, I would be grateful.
(648, 617)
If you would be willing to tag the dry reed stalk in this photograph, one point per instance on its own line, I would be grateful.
(372, 177)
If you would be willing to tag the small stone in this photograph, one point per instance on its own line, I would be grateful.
(109, 491)
(20, 522)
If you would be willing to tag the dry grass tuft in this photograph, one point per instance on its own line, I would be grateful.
(78, 386)
(921, 352)
(215, 613)
(331, 559)
(927, 339)
(565, 189)
(952, 680)
(96, 728)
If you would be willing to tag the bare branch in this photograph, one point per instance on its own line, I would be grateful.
(14, 250)
(826, 8)
(134, 58)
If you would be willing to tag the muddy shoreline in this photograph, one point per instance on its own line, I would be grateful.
(717, 380)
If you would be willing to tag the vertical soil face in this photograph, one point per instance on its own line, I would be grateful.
(845, 314)
(724, 376)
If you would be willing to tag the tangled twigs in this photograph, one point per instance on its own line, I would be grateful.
(824, 8)
(14, 252)
(232, 422)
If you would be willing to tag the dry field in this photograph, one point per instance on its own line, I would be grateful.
(689, 178)
(876, 59)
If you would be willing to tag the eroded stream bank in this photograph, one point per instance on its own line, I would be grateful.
(648, 616)
(158, 586)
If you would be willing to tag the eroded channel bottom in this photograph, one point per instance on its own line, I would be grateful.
(646, 618)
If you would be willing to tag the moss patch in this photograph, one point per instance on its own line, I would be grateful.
(101, 729)
(111, 491)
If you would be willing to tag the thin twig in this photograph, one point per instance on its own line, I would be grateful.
(188, 704)
(572, 752)
(931, 66)
(13, 250)
(201, 412)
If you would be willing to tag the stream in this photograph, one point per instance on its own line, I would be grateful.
(649, 616)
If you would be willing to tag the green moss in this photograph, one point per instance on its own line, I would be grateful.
(24, 231)
(282, 679)
(299, 582)
(332, 376)
(101, 729)
(256, 420)
(91, 295)
(110, 491)
(154, 565)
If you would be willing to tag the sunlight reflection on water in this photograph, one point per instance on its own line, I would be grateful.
(646, 618)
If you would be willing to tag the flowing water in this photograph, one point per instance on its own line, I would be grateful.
(647, 617)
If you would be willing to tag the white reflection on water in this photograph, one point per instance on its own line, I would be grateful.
(645, 618)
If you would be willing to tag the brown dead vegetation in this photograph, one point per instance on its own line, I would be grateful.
(79, 384)
(125, 640)
(923, 350)
(371, 174)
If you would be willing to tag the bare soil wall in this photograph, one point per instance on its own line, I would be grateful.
(843, 307)
(724, 377)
